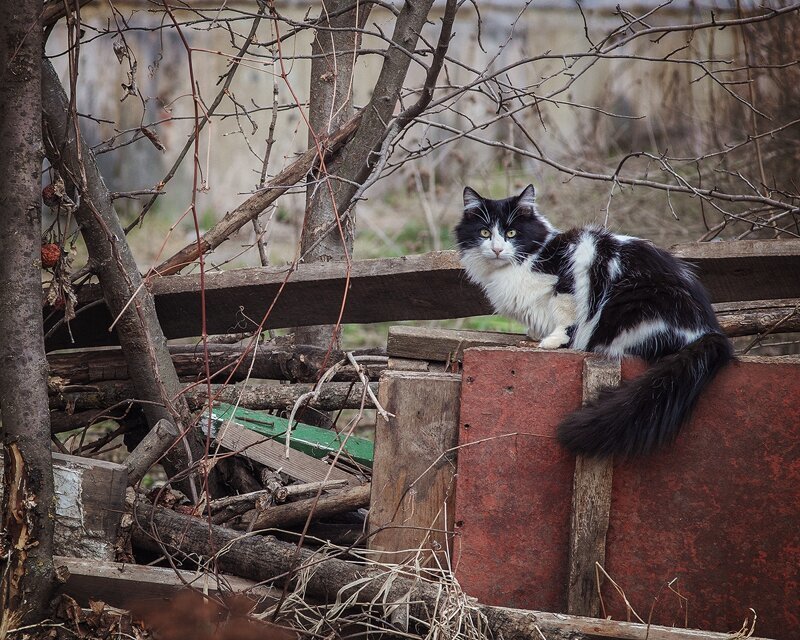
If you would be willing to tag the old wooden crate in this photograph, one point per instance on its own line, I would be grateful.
(694, 536)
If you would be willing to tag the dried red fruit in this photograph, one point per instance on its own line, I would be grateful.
(51, 254)
(50, 196)
(59, 303)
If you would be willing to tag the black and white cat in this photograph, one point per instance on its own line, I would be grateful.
(592, 290)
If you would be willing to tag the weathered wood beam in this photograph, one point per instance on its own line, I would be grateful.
(227, 362)
(333, 396)
(417, 287)
(272, 454)
(121, 584)
(420, 287)
(745, 269)
(591, 504)
(90, 499)
(413, 478)
(444, 345)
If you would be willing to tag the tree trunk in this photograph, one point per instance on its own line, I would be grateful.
(330, 106)
(143, 342)
(28, 500)
(358, 158)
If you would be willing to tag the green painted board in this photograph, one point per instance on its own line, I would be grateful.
(313, 441)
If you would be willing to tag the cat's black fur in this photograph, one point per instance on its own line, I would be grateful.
(590, 289)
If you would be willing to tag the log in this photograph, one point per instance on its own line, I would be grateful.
(334, 396)
(263, 558)
(759, 317)
(302, 363)
(591, 504)
(223, 509)
(294, 513)
(149, 451)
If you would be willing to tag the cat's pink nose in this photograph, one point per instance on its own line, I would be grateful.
(497, 252)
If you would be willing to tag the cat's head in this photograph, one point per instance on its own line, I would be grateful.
(497, 233)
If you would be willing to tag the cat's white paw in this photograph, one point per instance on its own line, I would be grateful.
(554, 340)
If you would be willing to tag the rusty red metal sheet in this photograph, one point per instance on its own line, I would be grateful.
(699, 533)
(503, 556)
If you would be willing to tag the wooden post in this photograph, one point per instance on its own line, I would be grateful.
(413, 482)
(591, 503)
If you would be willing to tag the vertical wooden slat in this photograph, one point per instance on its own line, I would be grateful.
(413, 482)
(591, 503)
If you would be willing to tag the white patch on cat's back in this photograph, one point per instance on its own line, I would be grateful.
(583, 258)
(634, 337)
(614, 269)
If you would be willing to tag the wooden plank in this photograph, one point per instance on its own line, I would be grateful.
(591, 504)
(417, 287)
(120, 584)
(444, 345)
(413, 482)
(421, 287)
(544, 623)
(90, 500)
(746, 269)
(272, 454)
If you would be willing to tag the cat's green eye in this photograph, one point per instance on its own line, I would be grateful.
(485, 233)
(511, 233)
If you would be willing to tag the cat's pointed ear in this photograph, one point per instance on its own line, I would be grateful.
(472, 199)
(527, 199)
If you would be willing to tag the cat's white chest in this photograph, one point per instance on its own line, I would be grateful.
(524, 295)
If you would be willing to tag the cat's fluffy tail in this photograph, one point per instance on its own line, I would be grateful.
(644, 413)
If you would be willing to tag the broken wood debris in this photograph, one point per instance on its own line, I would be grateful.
(333, 396)
(227, 363)
(264, 558)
